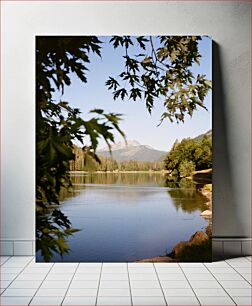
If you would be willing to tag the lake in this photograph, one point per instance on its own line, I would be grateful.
(125, 217)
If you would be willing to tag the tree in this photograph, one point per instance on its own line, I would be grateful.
(186, 168)
(57, 126)
(161, 70)
(189, 155)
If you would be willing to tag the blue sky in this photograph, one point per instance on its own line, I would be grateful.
(138, 124)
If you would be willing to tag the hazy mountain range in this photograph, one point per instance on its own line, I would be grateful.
(134, 150)
(208, 133)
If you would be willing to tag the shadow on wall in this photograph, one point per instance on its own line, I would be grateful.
(225, 214)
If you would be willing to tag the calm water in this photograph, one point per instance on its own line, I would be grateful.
(126, 217)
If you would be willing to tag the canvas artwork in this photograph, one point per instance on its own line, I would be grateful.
(123, 148)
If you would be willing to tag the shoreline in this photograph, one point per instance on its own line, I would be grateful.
(117, 172)
(206, 191)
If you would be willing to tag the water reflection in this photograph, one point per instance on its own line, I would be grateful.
(184, 193)
(150, 178)
(129, 216)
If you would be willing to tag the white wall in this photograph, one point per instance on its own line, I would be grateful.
(229, 25)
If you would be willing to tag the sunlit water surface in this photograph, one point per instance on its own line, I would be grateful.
(126, 217)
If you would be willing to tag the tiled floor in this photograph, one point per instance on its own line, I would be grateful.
(24, 282)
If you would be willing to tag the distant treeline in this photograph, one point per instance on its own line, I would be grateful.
(85, 162)
(185, 157)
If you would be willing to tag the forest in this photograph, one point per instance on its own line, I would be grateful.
(83, 162)
(182, 160)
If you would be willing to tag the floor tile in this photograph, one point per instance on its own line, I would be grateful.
(8, 276)
(79, 301)
(146, 292)
(59, 277)
(40, 265)
(103, 300)
(88, 270)
(4, 259)
(229, 276)
(204, 284)
(169, 270)
(174, 284)
(113, 284)
(241, 264)
(42, 271)
(210, 292)
(14, 264)
(242, 270)
(51, 292)
(95, 264)
(19, 292)
(236, 259)
(114, 270)
(47, 300)
(84, 276)
(82, 292)
(200, 276)
(15, 300)
(29, 276)
(172, 276)
(194, 270)
(114, 292)
(189, 300)
(55, 284)
(166, 264)
(24, 284)
(243, 300)
(115, 287)
(114, 264)
(220, 300)
(142, 271)
(142, 276)
(239, 291)
(220, 270)
(65, 265)
(235, 284)
(154, 284)
(118, 277)
(157, 300)
(21, 258)
(248, 277)
(78, 284)
(62, 270)
(5, 283)
(217, 264)
(191, 264)
(178, 292)
(9, 270)
(140, 264)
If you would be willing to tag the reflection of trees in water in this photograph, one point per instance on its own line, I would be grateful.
(186, 196)
(120, 178)
(183, 193)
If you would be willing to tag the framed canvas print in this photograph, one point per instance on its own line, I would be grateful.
(123, 148)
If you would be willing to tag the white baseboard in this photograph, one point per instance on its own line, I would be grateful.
(222, 247)
(225, 247)
(17, 247)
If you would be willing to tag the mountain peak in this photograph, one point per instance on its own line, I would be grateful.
(133, 150)
(121, 145)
